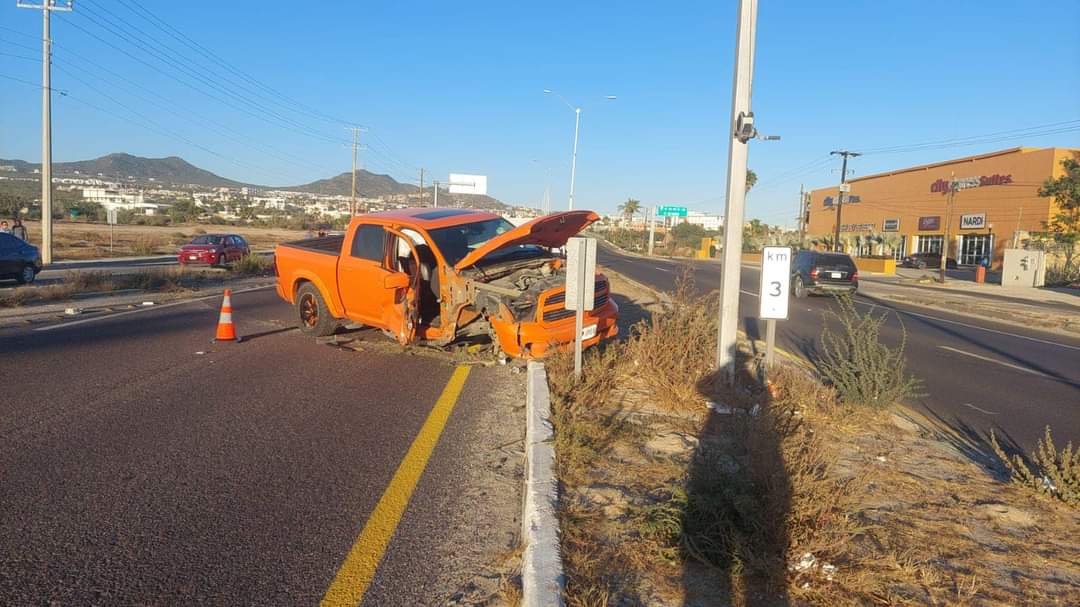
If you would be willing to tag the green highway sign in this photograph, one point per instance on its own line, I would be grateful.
(671, 211)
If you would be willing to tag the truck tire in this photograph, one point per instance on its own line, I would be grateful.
(312, 315)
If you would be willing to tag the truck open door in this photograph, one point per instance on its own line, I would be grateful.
(403, 316)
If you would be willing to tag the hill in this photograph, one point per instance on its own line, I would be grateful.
(122, 167)
(125, 167)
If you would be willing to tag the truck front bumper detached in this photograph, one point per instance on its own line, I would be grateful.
(538, 339)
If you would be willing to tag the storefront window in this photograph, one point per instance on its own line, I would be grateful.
(930, 244)
(901, 249)
(975, 247)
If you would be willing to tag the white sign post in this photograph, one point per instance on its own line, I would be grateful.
(110, 218)
(580, 290)
(775, 281)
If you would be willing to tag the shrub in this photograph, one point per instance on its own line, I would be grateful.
(864, 370)
(1056, 473)
(145, 246)
(253, 265)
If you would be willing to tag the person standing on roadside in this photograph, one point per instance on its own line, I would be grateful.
(18, 230)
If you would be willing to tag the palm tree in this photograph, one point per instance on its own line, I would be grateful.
(629, 209)
(751, 179)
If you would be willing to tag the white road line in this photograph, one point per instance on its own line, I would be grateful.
(146, 309)
(999, 362)
(748, 293)
(661, 269)
(979, 409)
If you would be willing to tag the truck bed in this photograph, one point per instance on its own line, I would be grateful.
(328, 245)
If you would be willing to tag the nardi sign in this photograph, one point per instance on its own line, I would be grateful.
(974, 221)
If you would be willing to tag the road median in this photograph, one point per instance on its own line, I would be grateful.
(679, 489)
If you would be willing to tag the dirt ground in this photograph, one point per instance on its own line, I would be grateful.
(831, 505)
(78, 240)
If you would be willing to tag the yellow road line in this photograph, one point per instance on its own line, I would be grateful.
(355, 575)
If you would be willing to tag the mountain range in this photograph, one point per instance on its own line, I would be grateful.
(174, 170)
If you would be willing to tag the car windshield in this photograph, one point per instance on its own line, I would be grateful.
(208, 240)
(458, 241)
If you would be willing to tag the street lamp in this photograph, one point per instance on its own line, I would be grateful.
(577, 129)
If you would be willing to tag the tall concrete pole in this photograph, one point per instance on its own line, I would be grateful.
(47, 6)
(736, 191)
(46, 139)
(573, 158)
(948, 215)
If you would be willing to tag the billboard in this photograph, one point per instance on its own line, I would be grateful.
(930, 224)
(461, 183)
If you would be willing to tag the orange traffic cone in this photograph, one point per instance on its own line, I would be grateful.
(226, 330)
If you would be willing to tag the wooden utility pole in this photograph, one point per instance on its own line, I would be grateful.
(802, 214)
(840, 194)
(948, 214)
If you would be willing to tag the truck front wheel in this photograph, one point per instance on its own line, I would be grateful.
(312, 315)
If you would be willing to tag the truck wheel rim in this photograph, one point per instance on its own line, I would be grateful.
(309, 311)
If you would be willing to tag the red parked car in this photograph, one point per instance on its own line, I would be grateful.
(214, 250)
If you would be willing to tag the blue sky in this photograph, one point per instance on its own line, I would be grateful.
(458, 87)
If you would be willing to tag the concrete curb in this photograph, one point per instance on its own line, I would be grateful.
(542, 578)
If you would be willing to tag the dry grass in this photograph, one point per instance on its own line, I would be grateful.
(99, 281)
(253, 265)
(875, 514)
(77, 240)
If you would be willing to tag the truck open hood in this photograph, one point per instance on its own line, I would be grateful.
(547, 231)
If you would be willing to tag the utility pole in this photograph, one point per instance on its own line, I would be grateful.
(802, 214)
(421, 187)
(436, 188)
(47, 6)
(353, 206)
(652, 228)
(840, 194)
(948, 214)
(741, 132)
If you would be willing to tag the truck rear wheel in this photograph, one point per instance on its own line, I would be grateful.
(312, 315)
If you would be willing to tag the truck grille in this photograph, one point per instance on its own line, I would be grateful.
(553, 304)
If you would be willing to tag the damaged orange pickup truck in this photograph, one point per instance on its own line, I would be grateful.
(438, 275)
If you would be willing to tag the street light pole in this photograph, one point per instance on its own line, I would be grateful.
(577, 130)
(573, 158)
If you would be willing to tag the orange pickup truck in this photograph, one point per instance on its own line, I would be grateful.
(437, 275)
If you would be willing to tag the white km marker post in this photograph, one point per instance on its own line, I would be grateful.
(775, 280)
(580, 290)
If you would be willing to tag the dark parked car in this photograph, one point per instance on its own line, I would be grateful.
(213, 249)
(19, 260)
(818, 272)
(926, 260)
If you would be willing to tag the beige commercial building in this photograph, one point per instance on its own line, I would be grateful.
(992, 204)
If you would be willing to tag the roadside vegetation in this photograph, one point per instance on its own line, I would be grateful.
(81, 240)
(165, 280)
(792, 490)
(1047, 470)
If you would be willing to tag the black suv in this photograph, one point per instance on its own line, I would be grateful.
(818, 272)
(18, 260)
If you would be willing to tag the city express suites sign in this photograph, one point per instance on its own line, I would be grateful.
(964, 183)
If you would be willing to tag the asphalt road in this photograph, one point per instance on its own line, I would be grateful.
(978, 374)
(141, 464)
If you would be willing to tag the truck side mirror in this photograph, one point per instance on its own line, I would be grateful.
(396, 280)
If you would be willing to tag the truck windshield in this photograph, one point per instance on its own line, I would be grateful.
(456, 242)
